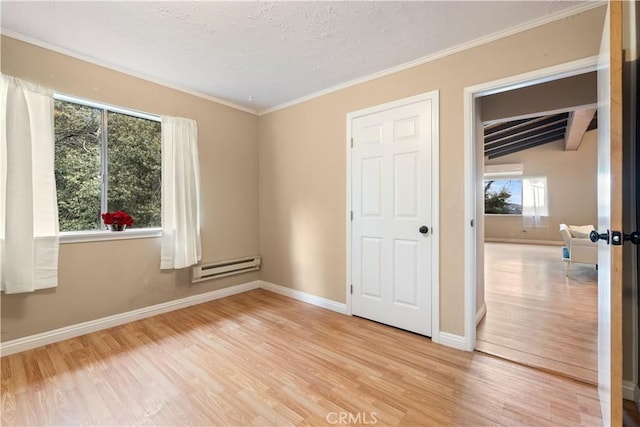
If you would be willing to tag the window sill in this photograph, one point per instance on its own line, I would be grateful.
(100, 235)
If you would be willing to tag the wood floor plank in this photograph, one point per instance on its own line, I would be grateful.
(260, 358)
(535, 315)
(631, 414)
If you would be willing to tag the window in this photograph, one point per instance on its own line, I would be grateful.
(106, 159)
(535, 203)
(503, 196)
(517, 196)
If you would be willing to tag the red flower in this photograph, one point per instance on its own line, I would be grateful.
(108, 218)
(117, 218)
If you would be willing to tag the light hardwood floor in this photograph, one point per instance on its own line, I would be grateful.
(259, 358)
(631, 416)
(536, 315)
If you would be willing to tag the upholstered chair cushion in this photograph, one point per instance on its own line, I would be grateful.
(581, 231)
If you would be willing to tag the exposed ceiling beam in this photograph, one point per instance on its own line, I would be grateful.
(496, 131)
(525, 132)
(533, 143)
(577, 126)
(491, 128)
(558, 133)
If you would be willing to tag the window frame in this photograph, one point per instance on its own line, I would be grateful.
(102, 235)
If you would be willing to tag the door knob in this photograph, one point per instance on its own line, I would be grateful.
(594, 236)
(424, 229)
(633, 237)
(615, 237)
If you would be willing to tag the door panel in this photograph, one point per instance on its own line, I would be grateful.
(405, 280)
(372, 267)
(406, 191)
(372, 187)
(391, 200)
(610, 217)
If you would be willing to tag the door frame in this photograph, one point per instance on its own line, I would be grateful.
(434, 97)
(471, 93)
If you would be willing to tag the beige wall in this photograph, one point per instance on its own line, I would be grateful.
(105, 278)
(303, 159)
(571, 182)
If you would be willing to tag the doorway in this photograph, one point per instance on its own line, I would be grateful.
(538, 304)
(474, 167)
(609, 69)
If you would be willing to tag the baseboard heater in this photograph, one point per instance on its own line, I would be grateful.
(224, 268)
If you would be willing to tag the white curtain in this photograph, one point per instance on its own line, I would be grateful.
(29, 233)
(181, 244)
(535, 209)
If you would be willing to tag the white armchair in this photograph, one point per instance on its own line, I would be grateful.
(578, 246)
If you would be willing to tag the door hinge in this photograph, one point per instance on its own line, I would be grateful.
(351, 142)
(472, 223)
(351, 215)
(351, 290)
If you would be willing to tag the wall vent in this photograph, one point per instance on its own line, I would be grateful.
(225, 268)
(505, 170)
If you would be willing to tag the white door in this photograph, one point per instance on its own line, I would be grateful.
(610, 217)
(391, 240)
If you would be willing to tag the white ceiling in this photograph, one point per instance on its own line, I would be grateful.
(263, 54)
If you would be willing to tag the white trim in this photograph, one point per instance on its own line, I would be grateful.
(631, 52)
(633, 190)
(101, 235)
(108, 107)
(555, 72)
(338, 307)
(524, 241)
(470, 223)
(106, 64)
(482, 311)
(441, 54)
(452, 340)
(435, 219)
(629, 390)
(60, 334)
(348, 217)
(568, 69)
(434, 97)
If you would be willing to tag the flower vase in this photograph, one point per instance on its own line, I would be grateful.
(117, 227)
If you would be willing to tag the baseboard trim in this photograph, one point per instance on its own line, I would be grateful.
(524, 241)
(482, 311)
(305, 297)
(452, 340)
(38, 340)
(629, 391)
(32, 341)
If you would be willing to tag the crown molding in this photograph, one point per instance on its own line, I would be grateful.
(105, 64)
(443, 53)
